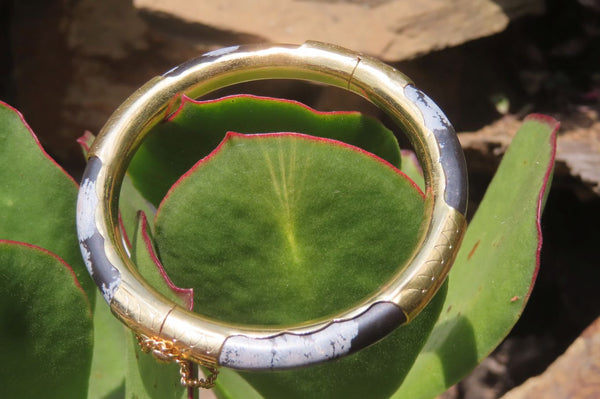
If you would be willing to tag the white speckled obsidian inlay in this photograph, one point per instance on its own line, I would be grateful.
(452, 158)
(91, 242)
(289, 350)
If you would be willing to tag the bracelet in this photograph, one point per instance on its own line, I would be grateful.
(170, 331)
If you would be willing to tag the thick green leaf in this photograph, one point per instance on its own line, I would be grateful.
(85, 142)
(284, 228)
(412, 169)
(144, 256)
(46, 329)
(148, 379)
(267, 229)
(107, 376)
(37, 197)
(230, 385)
(131, 202)
(196, 128)
(496, 267)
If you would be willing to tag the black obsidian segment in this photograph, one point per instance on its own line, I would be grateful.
(210, 56)
(451, 154)
(102, 271)
(378, 321)
(291, 350)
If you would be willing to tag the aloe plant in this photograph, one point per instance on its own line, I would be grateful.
(272, 228)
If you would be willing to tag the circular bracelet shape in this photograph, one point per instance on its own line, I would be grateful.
(196, 338)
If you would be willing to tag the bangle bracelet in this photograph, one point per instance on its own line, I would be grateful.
(174, 333)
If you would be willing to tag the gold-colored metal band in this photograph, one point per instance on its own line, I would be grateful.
(202, 340)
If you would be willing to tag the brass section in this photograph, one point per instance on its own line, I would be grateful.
(413, 290)
(155, 316)
(197, 338)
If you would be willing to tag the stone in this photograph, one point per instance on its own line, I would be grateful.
(575, 374)
(577, 154)
(391, 30)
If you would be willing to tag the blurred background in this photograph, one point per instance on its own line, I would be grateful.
(67, 64)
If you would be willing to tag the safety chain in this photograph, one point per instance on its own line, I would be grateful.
(165, 351)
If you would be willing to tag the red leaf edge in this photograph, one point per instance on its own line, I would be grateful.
(84, 139)
(230, 135)
(58, 258)
(185, 100)
(186, 294)
(124, 232)
(554, 125)
(37, 141)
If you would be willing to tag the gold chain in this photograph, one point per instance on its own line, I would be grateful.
(165, 351)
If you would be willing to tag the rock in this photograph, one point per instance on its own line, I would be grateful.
(75, 62)
(388, 29)
(501, 371)
(575, 374)
(578, 146)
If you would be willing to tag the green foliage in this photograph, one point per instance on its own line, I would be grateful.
(230, 385)
(45, 335)
(303, 248)
(107, 375)
(37, 198)
(270, 229)
(148, 379)
(277, 233)
(196, 128)
(144, 255)
(493, 274)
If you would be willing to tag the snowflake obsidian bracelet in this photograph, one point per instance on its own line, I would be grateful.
(174, 333)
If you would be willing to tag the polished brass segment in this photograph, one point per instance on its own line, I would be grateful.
(413, 291)
(148, 316)
(197, 338)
